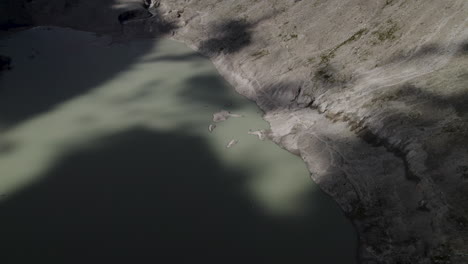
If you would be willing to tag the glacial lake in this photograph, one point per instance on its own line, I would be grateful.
(106, 157)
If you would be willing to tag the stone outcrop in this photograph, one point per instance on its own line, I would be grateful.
(372, 95)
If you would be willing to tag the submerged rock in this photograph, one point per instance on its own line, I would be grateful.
(211, 127)
(232, 143)
(261, 134)
(223, 116)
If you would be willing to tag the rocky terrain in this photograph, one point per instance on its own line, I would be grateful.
(373, 95)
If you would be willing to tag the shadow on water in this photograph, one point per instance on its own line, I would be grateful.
(36, 94)
(177, 58)
(145, 195)
(209, 90)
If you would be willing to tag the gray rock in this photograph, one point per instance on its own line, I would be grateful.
(261, 134)
(232, 143)
(211, 127)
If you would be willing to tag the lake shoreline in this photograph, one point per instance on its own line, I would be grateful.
(113, 120)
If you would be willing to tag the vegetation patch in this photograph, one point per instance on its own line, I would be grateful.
(324, 74)
(388, 2)
(354, 37)
(239, 9)
(328, 75)
(311, 60)
(326, 57)
(288, 37)
(405, 92)
(389, 96)
(388, 32)
(259, 54)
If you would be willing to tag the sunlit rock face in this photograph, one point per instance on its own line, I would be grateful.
(371, 94)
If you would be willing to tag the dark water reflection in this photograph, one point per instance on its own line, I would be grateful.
(157, 197)
(117, 166)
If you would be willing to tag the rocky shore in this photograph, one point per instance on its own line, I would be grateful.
(372, 95)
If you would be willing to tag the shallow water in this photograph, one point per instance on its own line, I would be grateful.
(105, 155)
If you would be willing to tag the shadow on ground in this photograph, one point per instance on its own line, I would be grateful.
(230, 35)
(153, 196)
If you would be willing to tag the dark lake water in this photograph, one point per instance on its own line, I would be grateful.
(106, 157)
